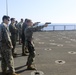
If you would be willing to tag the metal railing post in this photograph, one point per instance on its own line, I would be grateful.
(53, 28)
(64, 27)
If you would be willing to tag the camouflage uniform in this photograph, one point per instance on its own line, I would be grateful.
(17, 32)
(5, 50)
(29, 43)
(20, 31)
(24, 49)
(13, 31)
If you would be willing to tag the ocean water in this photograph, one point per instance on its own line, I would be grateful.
(62, 26)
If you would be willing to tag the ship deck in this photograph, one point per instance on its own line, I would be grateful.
(50, 47)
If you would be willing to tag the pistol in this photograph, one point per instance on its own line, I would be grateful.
(48, 23)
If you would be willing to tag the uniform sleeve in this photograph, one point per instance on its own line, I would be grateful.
(12, 29)
(27, 32)
(23, 28)
(19, 28)
(37, 28)
(7, 37)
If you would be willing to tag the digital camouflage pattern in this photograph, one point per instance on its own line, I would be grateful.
(29, 43)
(5, 49)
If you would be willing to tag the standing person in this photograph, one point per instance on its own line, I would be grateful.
(24, 48)
(16, 24)
(5, 48)
(29, 43)
(13, 31)
(20, 30)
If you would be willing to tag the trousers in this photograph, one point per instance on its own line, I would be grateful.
(32, 52)
(7, 60)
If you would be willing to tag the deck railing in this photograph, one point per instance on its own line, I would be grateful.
(59, 27)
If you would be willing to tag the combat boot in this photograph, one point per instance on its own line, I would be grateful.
(13, 74)
(31, 68)
(14, 56)
(5, 72)
(24, 54)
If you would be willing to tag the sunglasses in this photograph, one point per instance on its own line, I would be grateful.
(8, 19)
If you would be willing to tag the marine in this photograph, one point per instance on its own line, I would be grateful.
(16, 24)
(6, 48)
(29, 43)
(13, 31)
(20, 31)
(24, 48)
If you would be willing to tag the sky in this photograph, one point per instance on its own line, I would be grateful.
(55, 11)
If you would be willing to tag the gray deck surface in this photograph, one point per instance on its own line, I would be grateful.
(59, 43)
